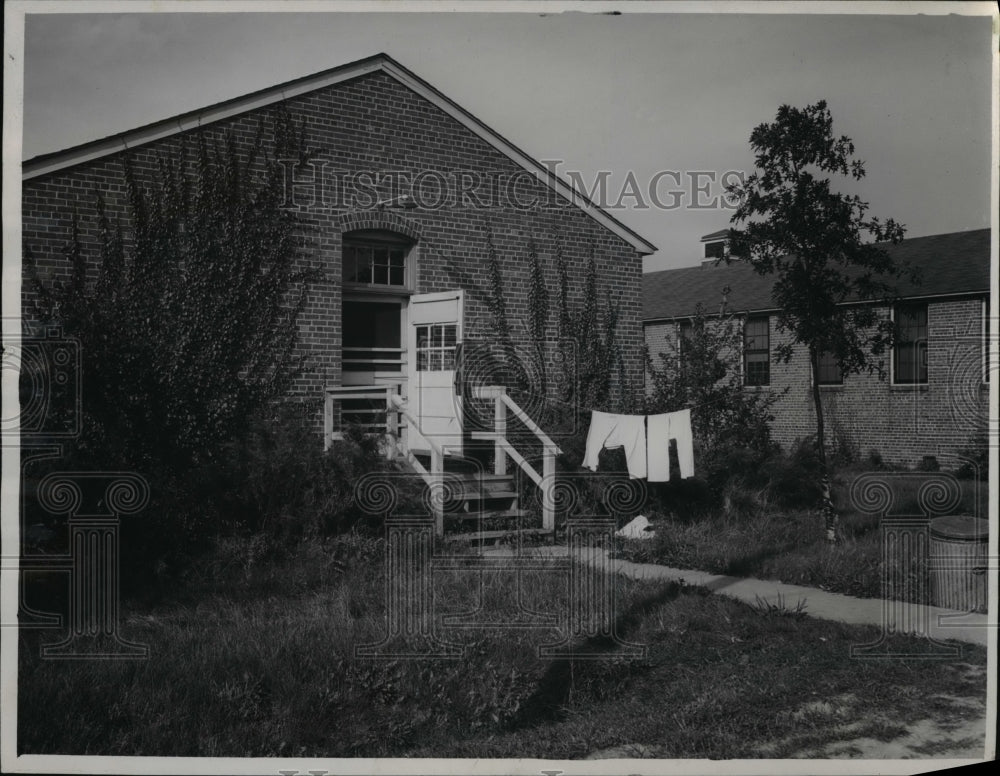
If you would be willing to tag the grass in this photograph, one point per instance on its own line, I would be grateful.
(256, 658)
(790, 545)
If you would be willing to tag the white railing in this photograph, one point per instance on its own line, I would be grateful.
(434, 478)
(371, 414)
(503, 449)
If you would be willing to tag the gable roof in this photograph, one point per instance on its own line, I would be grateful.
(953, 263)
(52, 162)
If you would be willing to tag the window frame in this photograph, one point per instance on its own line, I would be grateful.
(436, 349)
(820, 381)
(716, 249)
(748, 351)
(915, 344)
(685, 329)
(379, 240)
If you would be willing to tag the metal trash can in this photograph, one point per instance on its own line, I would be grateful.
(959, 562)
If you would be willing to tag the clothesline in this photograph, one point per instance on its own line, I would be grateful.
(691, 407)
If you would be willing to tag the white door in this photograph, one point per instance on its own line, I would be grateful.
(435, 330)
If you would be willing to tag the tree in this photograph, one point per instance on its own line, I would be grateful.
(702, 371)
(821, 247)
(187, 321)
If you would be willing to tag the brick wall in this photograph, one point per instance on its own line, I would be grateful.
(373, 123)
(903, 423)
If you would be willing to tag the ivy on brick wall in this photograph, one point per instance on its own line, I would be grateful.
(587, 354)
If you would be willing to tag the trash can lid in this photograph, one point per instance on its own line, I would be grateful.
(961, 527)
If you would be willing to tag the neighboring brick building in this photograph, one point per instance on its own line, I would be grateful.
(381, 133)
(935, 397)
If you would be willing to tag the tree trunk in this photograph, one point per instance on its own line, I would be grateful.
(830, 517)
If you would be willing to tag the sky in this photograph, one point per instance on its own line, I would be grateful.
(634, 94)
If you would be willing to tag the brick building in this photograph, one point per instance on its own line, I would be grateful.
(935, 397)
(400, 193)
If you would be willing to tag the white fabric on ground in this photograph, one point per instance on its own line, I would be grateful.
(636, 529)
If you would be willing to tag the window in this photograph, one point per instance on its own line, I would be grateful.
(909, 357)
(436, 347)
(375, 263)
(685, 329)
(715, 250)
(829, 372)
(757, 351)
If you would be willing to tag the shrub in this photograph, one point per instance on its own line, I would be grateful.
(873, 461)
(975, 460)
(928, 463)
(278, 480)
(793, 478)
(264, 492)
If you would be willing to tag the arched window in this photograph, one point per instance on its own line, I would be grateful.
(378, 260)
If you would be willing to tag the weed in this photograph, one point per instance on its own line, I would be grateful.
(779, 607)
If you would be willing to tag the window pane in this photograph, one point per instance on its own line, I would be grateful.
(421, 360)
(434, 360)
(374, 262)
(906, 364)
(422, 337)
(450, 332)
(448, 359)
(364, 273)
(757, 352)
(910, 350)
(350, 264)
(829, 372)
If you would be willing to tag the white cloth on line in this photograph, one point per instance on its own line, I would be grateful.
(625, 431)
(663, 428)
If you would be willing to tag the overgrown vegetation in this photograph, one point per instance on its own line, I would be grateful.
(587, 357)
(768, 531)
(186, 312)
(235, 671)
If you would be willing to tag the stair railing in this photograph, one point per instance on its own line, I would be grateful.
(396, 407)
(503, 449)
(360, 405)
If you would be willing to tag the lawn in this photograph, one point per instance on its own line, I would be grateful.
(256, 658)
(789, 545)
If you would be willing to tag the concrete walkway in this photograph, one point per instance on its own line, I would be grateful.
(933, 621)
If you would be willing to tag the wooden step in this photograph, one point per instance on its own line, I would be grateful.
(514, 514)
(479, 536)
